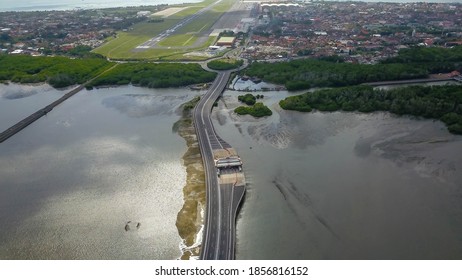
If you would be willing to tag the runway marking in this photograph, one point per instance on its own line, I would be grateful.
(190, 38)
(203, 27)
(169, 11)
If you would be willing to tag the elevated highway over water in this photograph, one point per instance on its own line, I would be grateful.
(225, 182)
(45, 110)
(37, 115)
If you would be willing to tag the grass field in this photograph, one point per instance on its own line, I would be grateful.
(166, 54)
(171, 54)
(122, 46)
(182, 41)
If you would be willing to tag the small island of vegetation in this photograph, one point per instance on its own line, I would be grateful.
(438, 102)
(249, 98)
(258, 110)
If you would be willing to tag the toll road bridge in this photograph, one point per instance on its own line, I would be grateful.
(225, 185)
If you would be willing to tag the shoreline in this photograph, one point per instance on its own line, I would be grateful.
(191, 216)
(94, 6)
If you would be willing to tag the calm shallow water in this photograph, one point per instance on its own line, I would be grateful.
(19, 101)
(73, 180)
(345, 185)
(321, 185)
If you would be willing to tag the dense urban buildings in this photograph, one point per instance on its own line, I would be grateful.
(360, 32)
(47, 32)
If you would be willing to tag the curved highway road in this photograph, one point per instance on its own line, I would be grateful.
(222, 199)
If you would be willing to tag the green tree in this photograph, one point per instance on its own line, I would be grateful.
(438, 102)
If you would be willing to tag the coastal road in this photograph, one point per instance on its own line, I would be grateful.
(222, 199)
(45, 110)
